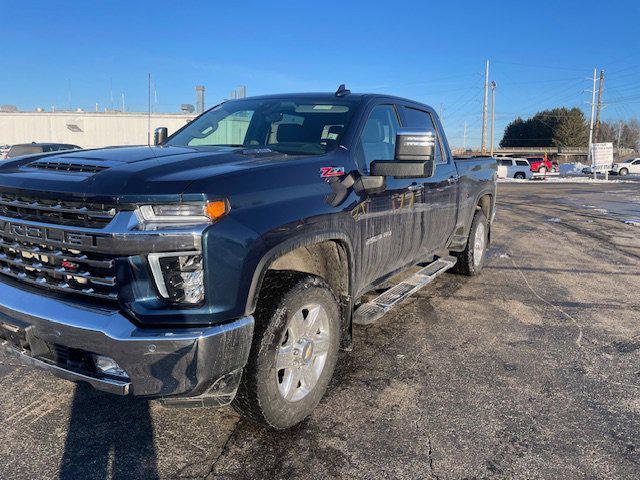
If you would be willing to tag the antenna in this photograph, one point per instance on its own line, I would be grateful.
(342, 91)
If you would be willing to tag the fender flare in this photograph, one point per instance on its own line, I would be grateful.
(289, 245)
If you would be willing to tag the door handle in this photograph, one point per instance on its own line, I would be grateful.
(452, 179)
(415, 187)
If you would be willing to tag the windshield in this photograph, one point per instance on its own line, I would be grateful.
(287, 125)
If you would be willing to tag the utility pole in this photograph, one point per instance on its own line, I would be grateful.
(493, 112)
(597, 127)
(149, 111)
(593, 104)
(484, 108)
(155, 96)
(619, 135)
(464, 137)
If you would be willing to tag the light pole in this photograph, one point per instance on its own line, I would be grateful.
(493, 112)
(484, 110)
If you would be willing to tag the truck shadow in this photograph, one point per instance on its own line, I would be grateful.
(108, 437)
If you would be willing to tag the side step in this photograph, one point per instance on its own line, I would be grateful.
(371, 311)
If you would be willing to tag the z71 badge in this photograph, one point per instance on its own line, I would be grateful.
(331, 172)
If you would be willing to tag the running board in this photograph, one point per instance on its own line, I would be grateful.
(371, 311)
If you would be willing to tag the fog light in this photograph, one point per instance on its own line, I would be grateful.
(109, 366)
(179, 278)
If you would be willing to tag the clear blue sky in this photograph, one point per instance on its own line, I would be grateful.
(541, 53)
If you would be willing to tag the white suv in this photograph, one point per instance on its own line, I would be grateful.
(628, 166)
(514, 168)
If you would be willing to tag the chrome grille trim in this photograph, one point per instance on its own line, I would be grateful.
(56, 213)
(47, 267)
(58, 254)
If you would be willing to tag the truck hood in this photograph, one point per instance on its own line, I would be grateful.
(112, 173)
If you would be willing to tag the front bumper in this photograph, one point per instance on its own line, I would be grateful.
(198, 363)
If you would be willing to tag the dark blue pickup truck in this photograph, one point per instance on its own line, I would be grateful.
(228, 263)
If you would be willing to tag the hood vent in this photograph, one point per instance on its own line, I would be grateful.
(68, 167)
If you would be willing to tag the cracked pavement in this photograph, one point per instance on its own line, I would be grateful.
(531, 370)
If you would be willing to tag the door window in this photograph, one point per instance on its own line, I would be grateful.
(378, 139)
(420, 119)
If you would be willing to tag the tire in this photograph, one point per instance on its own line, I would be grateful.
(287, 302)
(623, 171)
(542, 170)
(520, 176)
(471, 259)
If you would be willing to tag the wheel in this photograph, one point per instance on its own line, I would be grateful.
(623, 171)
(542, 170)
(294, 350)
(471, 259)
(520, 176)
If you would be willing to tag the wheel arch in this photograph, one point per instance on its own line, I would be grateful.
(328, 256)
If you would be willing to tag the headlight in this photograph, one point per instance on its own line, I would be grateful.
(179, 276)
(180, 214)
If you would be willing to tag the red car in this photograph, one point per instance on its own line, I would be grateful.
(540, 164)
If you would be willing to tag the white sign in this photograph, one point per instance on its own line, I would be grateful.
(602, 156)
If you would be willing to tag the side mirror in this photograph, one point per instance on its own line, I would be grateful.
(160, 135)
(414, 156)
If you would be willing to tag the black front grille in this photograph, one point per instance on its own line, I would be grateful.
(58, 269)
(78, 214)
(68, 167)
(70, 358)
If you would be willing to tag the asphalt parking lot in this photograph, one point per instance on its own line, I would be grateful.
(531, 370)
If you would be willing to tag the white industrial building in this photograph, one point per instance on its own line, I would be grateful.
(85, 129)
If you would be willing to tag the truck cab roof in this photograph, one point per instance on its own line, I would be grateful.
(325, 96)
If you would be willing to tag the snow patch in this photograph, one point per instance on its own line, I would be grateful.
(554, 220)
(635, 223)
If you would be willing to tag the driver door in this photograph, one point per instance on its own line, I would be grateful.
(386, 222)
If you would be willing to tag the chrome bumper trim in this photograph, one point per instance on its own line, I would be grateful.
(160, 362)
(105, 384)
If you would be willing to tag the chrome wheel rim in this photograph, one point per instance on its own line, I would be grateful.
(478, 244)
(302, 353)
